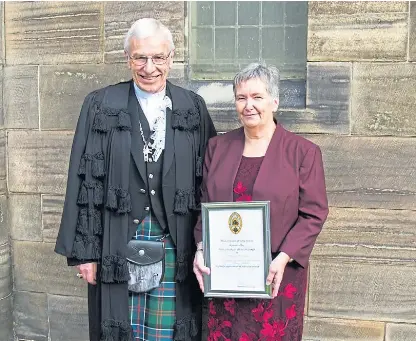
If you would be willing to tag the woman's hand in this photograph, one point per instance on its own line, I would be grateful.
(276, 270)
(200, 268)
(88, 272)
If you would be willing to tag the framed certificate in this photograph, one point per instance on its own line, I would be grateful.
(236, 241)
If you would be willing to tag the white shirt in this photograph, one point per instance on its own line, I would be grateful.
(150, 103)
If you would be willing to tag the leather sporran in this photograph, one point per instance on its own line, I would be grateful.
(146, 263)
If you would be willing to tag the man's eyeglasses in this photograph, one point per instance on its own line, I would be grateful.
(142, 60)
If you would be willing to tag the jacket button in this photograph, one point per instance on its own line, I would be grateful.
(142, 190)
(136, 221)
(153, 192)
(151, 176)
(147, 208)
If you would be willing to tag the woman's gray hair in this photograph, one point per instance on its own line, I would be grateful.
(147, 27)
(268, 74)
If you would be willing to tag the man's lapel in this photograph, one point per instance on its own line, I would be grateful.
(136, 139)
(169, 153)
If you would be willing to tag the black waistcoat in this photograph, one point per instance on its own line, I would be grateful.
(153, 180)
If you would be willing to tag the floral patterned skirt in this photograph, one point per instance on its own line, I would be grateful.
(280, 319)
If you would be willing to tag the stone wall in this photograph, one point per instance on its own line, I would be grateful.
(360, 110)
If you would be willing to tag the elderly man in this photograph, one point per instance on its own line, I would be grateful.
(132, 197)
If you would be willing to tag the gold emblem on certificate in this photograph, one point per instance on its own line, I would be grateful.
(235, 223)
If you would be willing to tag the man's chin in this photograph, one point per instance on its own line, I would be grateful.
(151, 86)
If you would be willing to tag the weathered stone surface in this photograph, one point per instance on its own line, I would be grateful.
(6, 287)
(31, 316)
(1, 33)
(3, 179)
(25, 217)
(6, 320)
(2, 110)
(354, 232)
(68, 318)
(170, 13)
(38, 161)
(21, 97)
(329, 329)
(370, 289)
(53, 32)
(63, 89)
(52, 207)
(347, 31)
(400, 332)
(383, 100)
(369, 172)
(327, 102)
(4, 224)
(224, 119)
(412, 31)
(36, 268)
(6, 284)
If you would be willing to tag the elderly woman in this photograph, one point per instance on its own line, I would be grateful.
(262, 161)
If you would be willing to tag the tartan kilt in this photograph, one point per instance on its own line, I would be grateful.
(152, 314)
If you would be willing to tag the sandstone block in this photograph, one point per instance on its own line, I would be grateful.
(330, 329)
(1, 33)
(68, 318)
(4, 223)
(21, 97)
(3, 177)
(400, 332)
(6, 285)
(380, 233)
(383, 99)
(38, 161)
(53, 32)
(2, 110)
(25, 217)
(6, 321)
(369, 172)
(412, 31)
(36, 268)
(31, 316)
(360, 288)
(350, 31)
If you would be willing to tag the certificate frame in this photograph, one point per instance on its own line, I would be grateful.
(258, 208)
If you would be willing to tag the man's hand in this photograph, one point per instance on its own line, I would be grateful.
(276, 270)
(88, 272)
(200, 269)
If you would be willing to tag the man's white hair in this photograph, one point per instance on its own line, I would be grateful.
(147, 27)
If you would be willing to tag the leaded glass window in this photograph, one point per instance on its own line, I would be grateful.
(225, 36)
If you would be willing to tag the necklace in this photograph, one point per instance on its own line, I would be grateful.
(153, 148)
(146, 150)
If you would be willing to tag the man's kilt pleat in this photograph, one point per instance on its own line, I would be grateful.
(152, 314)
